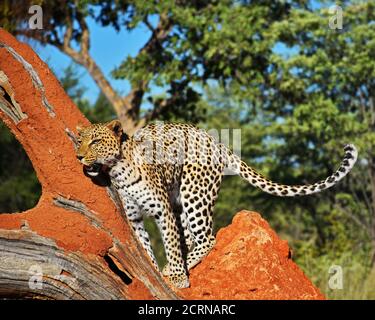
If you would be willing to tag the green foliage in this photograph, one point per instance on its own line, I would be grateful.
(317, 97)
(358, 276)
(156, 241)
(19, 186)
(207, 40)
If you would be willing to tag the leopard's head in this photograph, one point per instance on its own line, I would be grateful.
(99, 144)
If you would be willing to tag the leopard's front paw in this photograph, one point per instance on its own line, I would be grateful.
(179, 280)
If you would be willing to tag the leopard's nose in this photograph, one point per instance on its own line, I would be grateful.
(79, 158)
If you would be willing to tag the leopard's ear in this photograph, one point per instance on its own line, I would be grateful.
(116, 127)
(79, 127)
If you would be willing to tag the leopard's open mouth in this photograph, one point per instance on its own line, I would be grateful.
(93, 170)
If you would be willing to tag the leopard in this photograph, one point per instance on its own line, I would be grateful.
(172, 172)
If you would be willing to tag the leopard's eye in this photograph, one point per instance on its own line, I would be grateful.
(95, 141)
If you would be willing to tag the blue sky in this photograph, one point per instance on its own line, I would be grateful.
(108, 48)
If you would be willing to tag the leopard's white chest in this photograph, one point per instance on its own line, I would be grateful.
(127, 180)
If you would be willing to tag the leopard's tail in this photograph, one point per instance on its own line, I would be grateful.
(281, 190)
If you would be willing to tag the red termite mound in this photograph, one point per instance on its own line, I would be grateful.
(76, 240)
(249, 261)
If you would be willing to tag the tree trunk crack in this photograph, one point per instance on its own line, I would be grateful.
(7, 102)
(34, 77)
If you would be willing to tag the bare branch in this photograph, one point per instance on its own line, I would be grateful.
(148, 25)
(158, 35)
(68, 33)
(85, 39)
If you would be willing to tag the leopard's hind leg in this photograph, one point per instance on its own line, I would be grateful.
(198, 196)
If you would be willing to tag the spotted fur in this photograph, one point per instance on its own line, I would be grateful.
(173, 173)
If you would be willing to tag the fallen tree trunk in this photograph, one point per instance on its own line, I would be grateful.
(76, 244)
